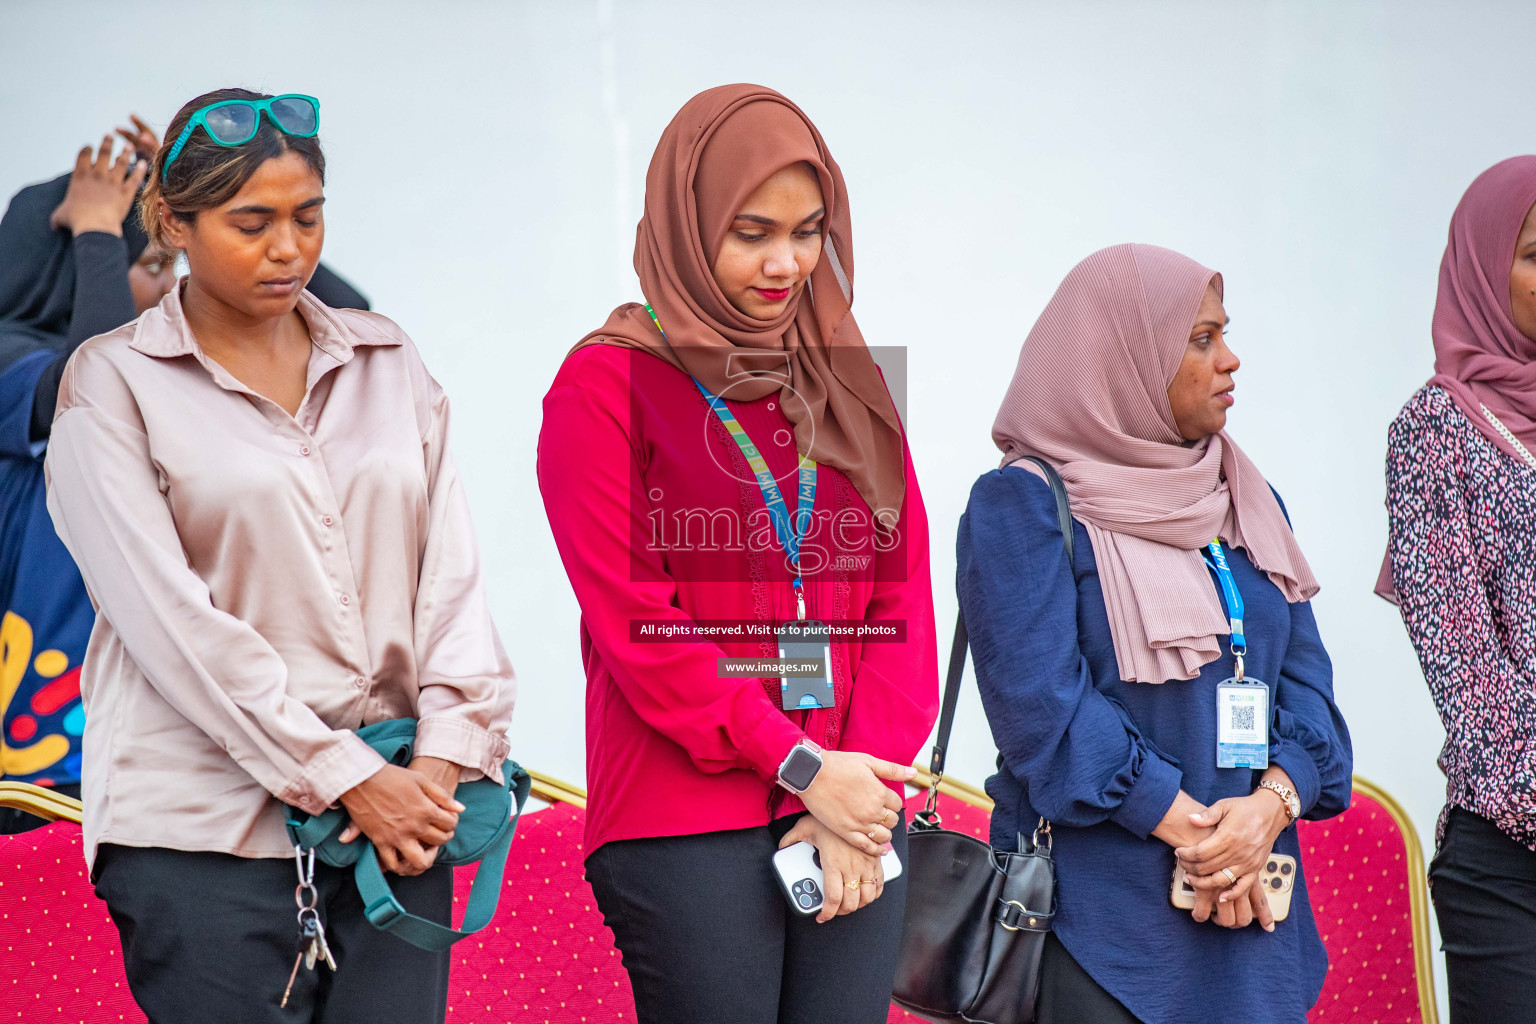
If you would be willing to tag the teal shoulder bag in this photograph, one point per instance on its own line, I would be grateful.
(484, 834)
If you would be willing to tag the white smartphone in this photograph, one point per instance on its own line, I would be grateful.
(799, 871)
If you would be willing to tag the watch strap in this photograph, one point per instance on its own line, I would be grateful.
(1288, 798)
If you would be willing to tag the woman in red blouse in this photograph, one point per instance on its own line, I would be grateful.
(686, 445)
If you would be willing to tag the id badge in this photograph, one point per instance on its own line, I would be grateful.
(1242, 724)
(809, 685)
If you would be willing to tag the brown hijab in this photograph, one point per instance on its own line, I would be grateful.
(720, 147)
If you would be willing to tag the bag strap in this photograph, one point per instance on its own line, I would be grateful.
(384, 911)
(962, 642)
(318, 828)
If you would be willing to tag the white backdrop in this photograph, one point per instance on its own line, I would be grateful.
(487, 165)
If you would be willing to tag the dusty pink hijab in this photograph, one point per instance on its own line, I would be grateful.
(1091, 396)
(1481, 358)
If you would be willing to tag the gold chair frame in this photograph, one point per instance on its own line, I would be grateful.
(45, 803)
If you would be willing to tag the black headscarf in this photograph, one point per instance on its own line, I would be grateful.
(37, 271)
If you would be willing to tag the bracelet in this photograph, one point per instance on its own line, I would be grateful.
(1288, 799)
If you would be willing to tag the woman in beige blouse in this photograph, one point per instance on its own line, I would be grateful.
(260, 496)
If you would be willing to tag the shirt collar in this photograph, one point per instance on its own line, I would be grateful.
(163, 332)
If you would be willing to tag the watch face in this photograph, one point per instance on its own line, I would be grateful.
(800, 769)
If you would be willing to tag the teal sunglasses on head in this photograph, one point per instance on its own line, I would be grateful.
(235, 122)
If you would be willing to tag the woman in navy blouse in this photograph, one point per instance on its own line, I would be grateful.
(1101, 677)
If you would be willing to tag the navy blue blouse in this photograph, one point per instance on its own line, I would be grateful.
(1102, 759)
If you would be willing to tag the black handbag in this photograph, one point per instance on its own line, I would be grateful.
(977, 916)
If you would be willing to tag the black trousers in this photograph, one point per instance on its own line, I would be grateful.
(1068, 995)
(708, 937)
(1483, 884)
(212, 937)
(14, 822)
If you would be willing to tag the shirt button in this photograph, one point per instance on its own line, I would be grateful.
(345, 599)
(304, 449)
(360, 682)
(327, 520)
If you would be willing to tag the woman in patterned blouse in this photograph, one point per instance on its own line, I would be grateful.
(1461, 563)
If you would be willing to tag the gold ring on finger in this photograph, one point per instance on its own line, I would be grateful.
(867, 881)
(851, 886)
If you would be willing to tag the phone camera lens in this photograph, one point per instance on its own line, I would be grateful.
(1285, 869)
(806, 900)
(1270, 867)
(1275, 883)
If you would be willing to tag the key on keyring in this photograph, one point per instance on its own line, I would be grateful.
(325, 947)
(308, 950)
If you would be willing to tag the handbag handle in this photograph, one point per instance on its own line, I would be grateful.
(962, 642)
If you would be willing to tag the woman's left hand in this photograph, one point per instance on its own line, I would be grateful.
(1246, 829)
(100, 193)
(851, 878)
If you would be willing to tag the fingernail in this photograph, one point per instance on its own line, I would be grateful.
(458, 806)
(887, 848)
(1269, 927)
(911, 772)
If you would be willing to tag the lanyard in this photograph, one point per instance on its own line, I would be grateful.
(1234, 602)
(790, 529)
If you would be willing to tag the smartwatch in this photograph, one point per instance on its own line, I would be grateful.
(800, 766)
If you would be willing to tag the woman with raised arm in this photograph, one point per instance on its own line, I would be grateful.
(1461, 502)
(675, 439)
(1162, 697)
(259, 494)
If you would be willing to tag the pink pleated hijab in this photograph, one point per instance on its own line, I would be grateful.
(1481, 358)
(1091, 396)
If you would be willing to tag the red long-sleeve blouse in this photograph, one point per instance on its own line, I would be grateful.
(659, 520)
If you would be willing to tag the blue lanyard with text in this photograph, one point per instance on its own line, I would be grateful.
(791, 529)
(1234, 602)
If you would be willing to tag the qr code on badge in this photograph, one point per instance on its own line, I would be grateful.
(1242, 717)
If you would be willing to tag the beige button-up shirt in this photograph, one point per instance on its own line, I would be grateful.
(265, 583)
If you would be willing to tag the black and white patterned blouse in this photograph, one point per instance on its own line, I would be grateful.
(1463, 552)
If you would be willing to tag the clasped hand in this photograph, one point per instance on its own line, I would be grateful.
(1245, 832)
(852, 812)
(849, 797)
(850, 878)
(407, 813)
